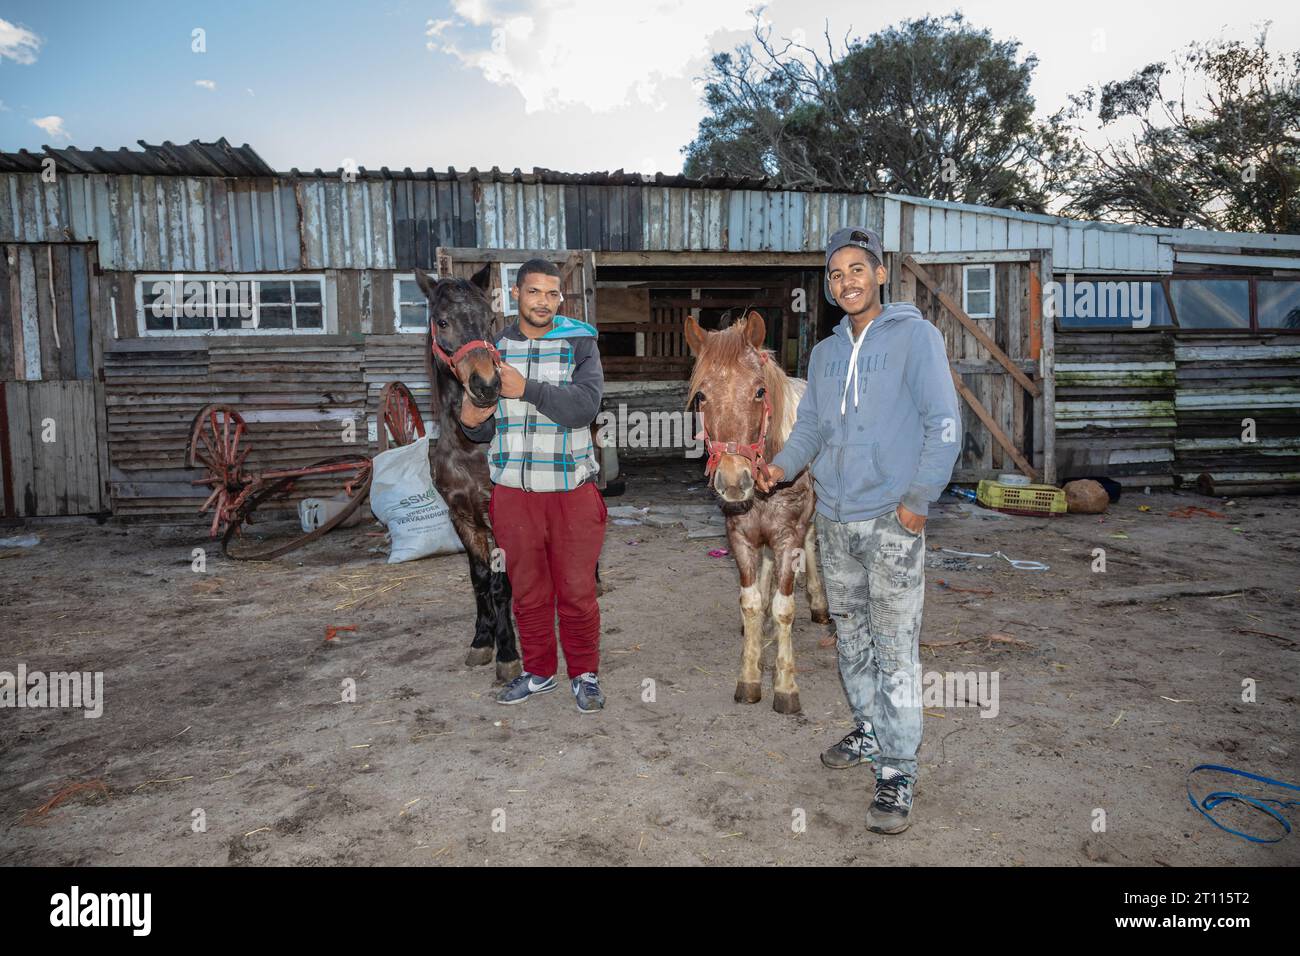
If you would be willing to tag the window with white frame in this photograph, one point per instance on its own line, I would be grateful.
(509, 270)
(190, 304)
(977, 291)
(410, 306)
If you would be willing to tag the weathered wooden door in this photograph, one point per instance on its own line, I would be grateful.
(997, 359)
(55, 460)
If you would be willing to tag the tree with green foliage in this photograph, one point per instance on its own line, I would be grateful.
(931, 107)
(1224, 156)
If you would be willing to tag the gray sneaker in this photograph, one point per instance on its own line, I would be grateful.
(586, 691)
(859, 746)
(524, 686)
(892, 806)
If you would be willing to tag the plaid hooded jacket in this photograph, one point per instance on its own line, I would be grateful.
(542, 441)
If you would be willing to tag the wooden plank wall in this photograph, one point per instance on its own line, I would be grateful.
(1222, 380)
(54, 448)
(1115, 406)
(397, 358)
(295, 397)
(49, 348)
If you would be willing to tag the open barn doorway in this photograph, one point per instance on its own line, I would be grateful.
(641, 313)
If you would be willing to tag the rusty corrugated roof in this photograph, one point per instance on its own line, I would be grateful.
(223, 159)
(169, 159)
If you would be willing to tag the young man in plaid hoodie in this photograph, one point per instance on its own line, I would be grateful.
(547, 514)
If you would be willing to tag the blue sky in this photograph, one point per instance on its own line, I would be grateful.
(571, 84)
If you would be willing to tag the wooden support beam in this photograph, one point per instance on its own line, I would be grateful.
(998, 434)
(971, 325)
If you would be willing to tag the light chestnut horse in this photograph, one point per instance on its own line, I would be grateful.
(747, 407)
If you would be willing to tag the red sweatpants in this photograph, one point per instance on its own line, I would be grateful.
(552, 541)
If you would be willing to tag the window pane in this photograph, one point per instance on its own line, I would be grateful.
(192, 322)
(409, 292)
(309, 317)
(276, 317)
(1112, 304)
(1278, 303)
(1211, 303)
(977, 303)
(415, 317)
(978, 279)
(231, 320)
(307, 291)
(162, 321)
(275, 292)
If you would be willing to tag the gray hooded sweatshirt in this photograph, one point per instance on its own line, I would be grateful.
(879, 420)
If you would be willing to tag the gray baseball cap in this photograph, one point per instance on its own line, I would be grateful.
(858, 236)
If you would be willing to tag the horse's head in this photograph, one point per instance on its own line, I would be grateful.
(460, 334)
(738, 391)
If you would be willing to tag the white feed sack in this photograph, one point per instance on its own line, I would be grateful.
(403, 498)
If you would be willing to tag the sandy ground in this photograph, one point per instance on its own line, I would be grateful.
(223, 697)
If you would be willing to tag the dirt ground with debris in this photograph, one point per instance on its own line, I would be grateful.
(223, 703)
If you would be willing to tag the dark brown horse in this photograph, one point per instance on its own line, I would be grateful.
(747, 407)
(462, 361)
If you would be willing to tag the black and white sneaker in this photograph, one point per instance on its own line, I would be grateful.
(859, 746)
(586, 691)
(524, 686)
(890, 810)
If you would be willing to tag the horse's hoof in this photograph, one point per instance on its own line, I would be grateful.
(749, 693)
(821, 617)
(786, 703)
(509, 670)
(478, 656)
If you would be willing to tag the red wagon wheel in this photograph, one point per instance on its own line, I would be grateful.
(217, 445)
(274, 538)
(400, 419)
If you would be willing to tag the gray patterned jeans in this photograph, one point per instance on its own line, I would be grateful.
(875, 588)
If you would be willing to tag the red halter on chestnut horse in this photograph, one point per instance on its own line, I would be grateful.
(747, 406)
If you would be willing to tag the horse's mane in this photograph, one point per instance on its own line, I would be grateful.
(724, 351)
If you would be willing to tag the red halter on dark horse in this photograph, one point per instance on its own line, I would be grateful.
(461, 312)
(464, 350)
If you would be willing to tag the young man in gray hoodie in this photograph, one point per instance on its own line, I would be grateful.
(880, 424)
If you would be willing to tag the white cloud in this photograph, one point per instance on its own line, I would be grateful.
(17, 43)
(206, 84)
(3, 108)
(53, 126)
(586, 52)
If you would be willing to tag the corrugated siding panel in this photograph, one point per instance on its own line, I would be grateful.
(35, 211)
(345, 225)
(158, 223)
